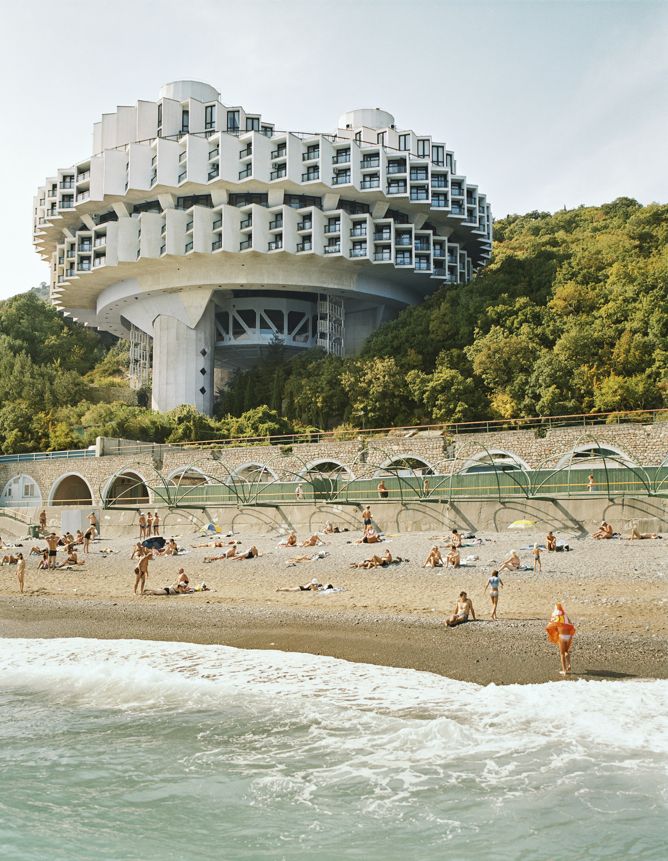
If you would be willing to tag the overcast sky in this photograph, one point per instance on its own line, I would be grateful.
(546, 103)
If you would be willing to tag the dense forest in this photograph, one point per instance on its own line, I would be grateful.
(570, 316)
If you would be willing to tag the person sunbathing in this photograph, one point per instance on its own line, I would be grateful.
(313, 586)
(453, 558)
(80, 537)
(330, 529)
(44, 561)
(637, 535)
(71, 559)
(603, 532)
(216, 543)
(10, 559)
(551, 541)
(307, 557)
(463, 609)
(230, 553)
(290, 541)
(434, 558)
(375, 561)
(370, 536)
(170, 549)
(313, 541)
(512, 563)
(35, 551)
(249, 553)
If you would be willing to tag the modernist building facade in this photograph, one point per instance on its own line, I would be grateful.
(201, 233)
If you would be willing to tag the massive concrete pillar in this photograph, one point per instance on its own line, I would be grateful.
(183, 362)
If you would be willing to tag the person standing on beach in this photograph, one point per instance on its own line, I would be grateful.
(141, 572)
(560, 631)
(425, 487)
(590, 482)
(493, 585)
(42, 522)
(366, 516)
(142, 525)
(383, 492)
(89, 535)
(156, 524)
(149, 525)
(536, 558)
(52, 544)
(20, 571)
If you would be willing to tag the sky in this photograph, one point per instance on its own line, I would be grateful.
(546, 103)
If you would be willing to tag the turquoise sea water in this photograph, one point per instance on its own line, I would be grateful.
(136, 750)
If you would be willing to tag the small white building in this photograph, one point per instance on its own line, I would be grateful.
(200, 233)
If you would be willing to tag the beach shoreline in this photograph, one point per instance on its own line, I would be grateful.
(483, 652)
(615, 591)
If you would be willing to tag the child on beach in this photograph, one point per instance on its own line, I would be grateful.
(536, 558)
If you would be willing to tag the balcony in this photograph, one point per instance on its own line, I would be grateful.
(422, 266)
(370, 162)
(276, 223)
(277, 174)
(213, 173)
(311, 155)
(189, 226)
(304, 246)
(67, 183)
(396, 167)
(280, 152)
(342, 157)
(358, 231)
(439, 182)
(340, 178)
(100, 240)
(85, 247)
(333, 249)
(439, 272)
(359, 252)
(382, 236)
(457, 210)
(213, 153)
(182, 176)
(183, 156)
(100, 261)
(439, 251)
(216, 244)
(403, 259)
(310, 175)
(245, 244)
(246, 223)
(246, 152)
(457, 191)
(66, 204)
(382, 256)
(333, 227)
(306, 224)
(370, 183)
(246, 172)
(396, 188)
(419, 194)
(422, 245)
(418, 175)
(439, 201)
(276, 245)
(84, 265)
(154, 178)
(404, 240)
(82, 176)
(217, 224)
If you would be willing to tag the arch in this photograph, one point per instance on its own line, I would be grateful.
(126, 487)
(71, 489)
(593, 454)
(254, 472)
(494, 460)
(21, 491)
(187, 476)
(326, 468)
(404, 465)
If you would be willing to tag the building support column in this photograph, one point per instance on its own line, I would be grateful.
(183, 362)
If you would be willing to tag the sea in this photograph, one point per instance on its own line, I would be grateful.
(123, 749)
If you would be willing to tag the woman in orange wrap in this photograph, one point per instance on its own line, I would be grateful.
(561, 631)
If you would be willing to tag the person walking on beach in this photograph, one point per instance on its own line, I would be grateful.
(536, 558)
(493, 585)
(156, 524)
(20, 571)
(463, 609)
(141, 572)
(590, 482)
(52, 544)
(560, 631)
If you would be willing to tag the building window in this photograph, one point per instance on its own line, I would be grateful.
(233, 121)
(358, 137)
(159, 114)
(267, 130)
(403, 142)
(380, 138)
(438, 154)
(209, 117)
(185, 121)
(423, 148)
(252, 124)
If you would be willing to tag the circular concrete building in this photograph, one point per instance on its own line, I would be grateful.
(200, 233)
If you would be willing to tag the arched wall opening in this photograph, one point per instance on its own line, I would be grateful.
(71, 489)
(127, 488)
(21, 491)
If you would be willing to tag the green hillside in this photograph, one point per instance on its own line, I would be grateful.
(570, 316)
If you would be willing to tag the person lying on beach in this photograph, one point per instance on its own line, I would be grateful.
(71, 559)
(512, 563)
(377, 561)
(453, 559)
(370, 536)
(551, 541)
(307, 557)
(230, 553)
(330, 529)
(35, 551)
(313, 541)
(249, 553)
(217, 543)
(637, 535)
(290, 541)
(176, 589)
(10, 559)
(603, 532)
(313, 586)
(463, 609)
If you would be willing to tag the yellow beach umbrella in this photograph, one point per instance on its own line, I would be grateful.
(521, 524)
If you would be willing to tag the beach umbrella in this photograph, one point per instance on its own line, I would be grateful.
(521, 524)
